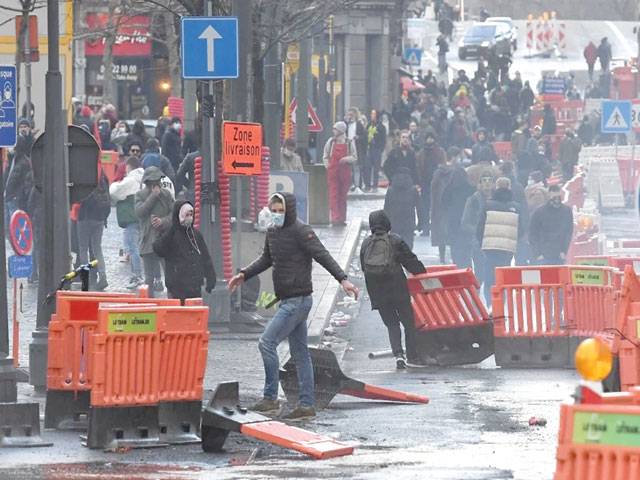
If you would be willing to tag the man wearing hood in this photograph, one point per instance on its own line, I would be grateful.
(188, 263)
(551, 230)
(482, 150)
(290, 247)
(388, 290)
(172, 143)
(153, 206)
(499, 229)
(153, 158)
(123, 193)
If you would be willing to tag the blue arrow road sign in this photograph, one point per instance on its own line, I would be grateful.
(209, 47)
(616, 116)
(8, 110)
(20, 266)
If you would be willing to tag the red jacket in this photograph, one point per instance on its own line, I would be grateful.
(590, 53)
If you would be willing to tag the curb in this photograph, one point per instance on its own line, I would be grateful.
(320, 315)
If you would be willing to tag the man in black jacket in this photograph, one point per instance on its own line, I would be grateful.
(550, 230)
(389, 293)
(172, 143)
(290, 247)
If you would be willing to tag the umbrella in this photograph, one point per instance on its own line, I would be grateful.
(410, 85)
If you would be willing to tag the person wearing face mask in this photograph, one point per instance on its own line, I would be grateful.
(290, 247)
(551, 230)
(172, 143)
(153, 207)
(188, 264)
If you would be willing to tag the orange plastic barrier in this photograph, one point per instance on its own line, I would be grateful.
(581, 247)
(70, 331)
(144, 355)
(317, 446)
(446, 299)
(574, 193)
(537, 309)
(600, 440)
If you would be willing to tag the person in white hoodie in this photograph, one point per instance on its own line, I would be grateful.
(123, 195)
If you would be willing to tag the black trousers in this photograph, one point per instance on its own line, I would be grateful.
(392, 316)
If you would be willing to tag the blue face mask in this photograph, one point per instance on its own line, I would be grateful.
(277, 219)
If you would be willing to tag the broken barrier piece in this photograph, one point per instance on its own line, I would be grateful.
(20, 425)
(224, 414)
(330, 380)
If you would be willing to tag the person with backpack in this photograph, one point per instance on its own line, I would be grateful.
(123, 193)
(92, 220)
(383, 256)
(339, 153)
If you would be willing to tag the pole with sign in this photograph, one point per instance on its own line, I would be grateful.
(20, 266)
(241, 156)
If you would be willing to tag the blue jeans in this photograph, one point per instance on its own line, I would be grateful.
(290, 321)
(131, 235)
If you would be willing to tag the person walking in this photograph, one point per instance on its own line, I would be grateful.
(400, 204)
(590, 54)
(498, 232)
(569, 153)
(153, 158)
(536, 192)
(92, 219)
(290, 247)
(339, 153)
(549, 125)
(427, 161)
(123, 193)
(443, 48)
(383, 256)
(357, 132)
(188, 263)
(376, 143)
(153, 207)
(172, 143)
(604, 54)
(400, 157)
(551, 230)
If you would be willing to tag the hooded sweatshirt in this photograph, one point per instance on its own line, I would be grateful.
(290, 250)
(147, 206)
(389, 290)
(187, 260)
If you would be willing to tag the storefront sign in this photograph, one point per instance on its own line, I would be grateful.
(133, 38)
(127, 73)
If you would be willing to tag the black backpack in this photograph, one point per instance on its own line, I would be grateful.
(379, 258)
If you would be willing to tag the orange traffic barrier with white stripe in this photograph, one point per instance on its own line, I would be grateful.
(452, 322)
(540, 313)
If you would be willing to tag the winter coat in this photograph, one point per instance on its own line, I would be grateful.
(147, 205)
(586, 133)
(537, 195)
(392, 289)
(550, 231)
(439, 210)
(352, 151)
(19, 182)
(455, 197)
(360, 138)
(427, 162)
(171, 147)
(187, 261)
(397, 159)
(185, 176)
(473, 208)
(590, 53)
(290, 250)
(569, 150)
(500, 223)
(290, 161)
(549, 125)
(155, 159)
(97, 206)
(400, 204)
(129, 185)
(376, 137)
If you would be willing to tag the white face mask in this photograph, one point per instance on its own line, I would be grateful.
(277, 219)
(176, 126)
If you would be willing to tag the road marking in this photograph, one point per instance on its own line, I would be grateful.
(621, 38)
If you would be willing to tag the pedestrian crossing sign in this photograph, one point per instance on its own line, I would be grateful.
(616, 116)
(412, 56)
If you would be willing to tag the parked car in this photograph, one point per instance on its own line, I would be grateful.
(480, 38)
(513, 30)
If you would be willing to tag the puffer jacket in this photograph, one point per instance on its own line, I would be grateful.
(500, 225)
(187, 260)
(290, 251)
(392, 289)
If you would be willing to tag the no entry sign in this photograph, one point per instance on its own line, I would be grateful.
(21, 233)
(242, 148)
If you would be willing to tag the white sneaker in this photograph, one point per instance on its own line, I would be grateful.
(401, 362)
